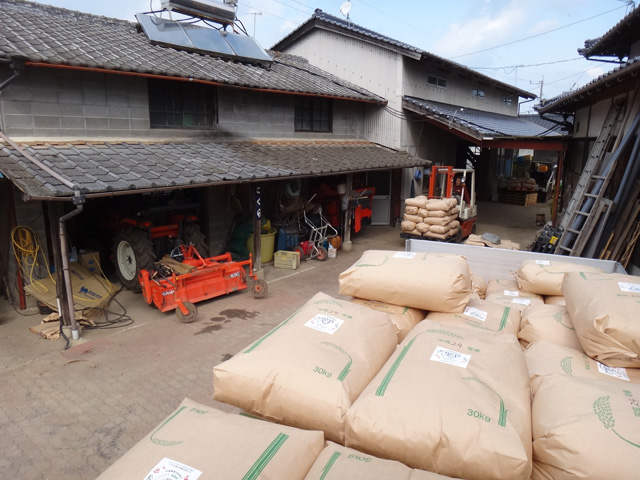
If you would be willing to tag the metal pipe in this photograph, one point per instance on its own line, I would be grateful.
(64, 249)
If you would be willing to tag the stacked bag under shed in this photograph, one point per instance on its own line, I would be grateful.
(431, 218)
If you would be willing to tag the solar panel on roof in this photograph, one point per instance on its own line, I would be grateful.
(209, 41)
(246, 47)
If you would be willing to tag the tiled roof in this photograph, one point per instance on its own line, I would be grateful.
(482, 124)
(118, 167)
(319, 18)
(617, 41)
(626, 73)
(49, 35)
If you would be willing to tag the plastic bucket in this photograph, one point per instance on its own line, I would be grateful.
(268, 241)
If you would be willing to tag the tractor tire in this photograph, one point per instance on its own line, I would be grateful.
(132, 251)
(322, 254)
(192, 234)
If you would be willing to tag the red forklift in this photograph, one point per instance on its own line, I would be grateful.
(442, 185)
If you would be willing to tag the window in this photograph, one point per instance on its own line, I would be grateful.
(436, 81)
(181, 105)
(506, 100)
(312, 115)
(477, 93)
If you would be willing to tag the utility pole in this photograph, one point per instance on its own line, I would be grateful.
(541, 83)
(255, 14)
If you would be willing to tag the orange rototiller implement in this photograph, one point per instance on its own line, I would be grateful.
(180, 284)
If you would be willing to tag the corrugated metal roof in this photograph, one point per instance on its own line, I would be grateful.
(482, 124)
(319, 18)
(98, 168)
(55, 36)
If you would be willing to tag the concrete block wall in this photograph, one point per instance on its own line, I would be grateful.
(67, 103)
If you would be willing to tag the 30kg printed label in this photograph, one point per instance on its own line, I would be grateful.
(450, 357)
(168, 469)
(475, 313)
(521, 301)
(325, 323)
(629, 287)
(543, 262)
(404, 255)
(619, 373)
(512, 293)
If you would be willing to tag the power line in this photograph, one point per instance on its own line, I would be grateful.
(537, 35)
(525, 66)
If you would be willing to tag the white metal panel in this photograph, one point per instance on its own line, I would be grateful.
(495, 263)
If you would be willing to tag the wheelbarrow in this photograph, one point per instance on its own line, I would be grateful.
(205, 278)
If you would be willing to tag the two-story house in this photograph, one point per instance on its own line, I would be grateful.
(101, 119)
(437, 109)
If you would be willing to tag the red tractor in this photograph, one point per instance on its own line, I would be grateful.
(139, 244)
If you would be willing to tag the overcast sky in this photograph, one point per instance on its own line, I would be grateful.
(519, 42)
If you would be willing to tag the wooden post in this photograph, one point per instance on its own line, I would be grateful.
(257, 226)
(346, 241)
(13, 223)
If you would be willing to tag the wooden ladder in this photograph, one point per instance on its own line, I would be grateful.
(585, 206)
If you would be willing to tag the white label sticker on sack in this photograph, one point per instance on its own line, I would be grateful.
(476, 313)
(512, 293)
(620, 373)
(325, 323)
(450, 357)
(521, 301)
(629, 287)
(168, 469)
(404, 254)
(543, 262)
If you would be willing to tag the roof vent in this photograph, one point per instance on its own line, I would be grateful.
(221, 12)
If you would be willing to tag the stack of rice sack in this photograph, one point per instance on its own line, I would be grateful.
(584, 363)
(431, 218)
(508, 293)
(309, 369)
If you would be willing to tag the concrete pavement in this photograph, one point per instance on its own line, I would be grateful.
(69, 414)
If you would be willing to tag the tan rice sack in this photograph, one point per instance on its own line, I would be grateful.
(605, 311)
(437, 213)
(341, 463)
(412, 218)
(507, 293)
(482, 315)
(544, 277)
(408, 226)
(423, 212)
(423, 228)
(440, 229)
(419, 202)
(220, 445)
(544, 358)
(308, 370)
(439, 236)
(549, 323)
(555, 300)
(444, 204)
(478, 285)
(585, 429)
(448, 400)
(403, 318)
(438, 220)
(411, 210)
(428, 281)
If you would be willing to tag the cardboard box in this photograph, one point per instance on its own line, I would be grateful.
(90, 260)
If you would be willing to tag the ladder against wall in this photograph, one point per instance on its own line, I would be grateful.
(586, 208)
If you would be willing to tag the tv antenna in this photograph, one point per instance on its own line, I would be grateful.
(345, 9)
